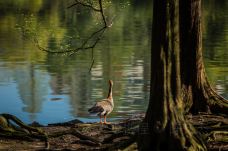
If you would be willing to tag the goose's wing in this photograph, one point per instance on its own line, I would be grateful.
(101, 107)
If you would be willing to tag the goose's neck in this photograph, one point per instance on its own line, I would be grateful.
(110, 92)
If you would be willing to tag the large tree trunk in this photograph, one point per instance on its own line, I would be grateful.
(196, 90)
(164, 127)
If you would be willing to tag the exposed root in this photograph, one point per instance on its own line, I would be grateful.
(21, 130)
(207, 100)
(211, 129)
(217, 103)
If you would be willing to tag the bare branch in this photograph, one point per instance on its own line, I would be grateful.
(85, 5)
(91, 66)
(92, 35)
(102, 13)
(97, 34)
(82, 47)
(91, 41)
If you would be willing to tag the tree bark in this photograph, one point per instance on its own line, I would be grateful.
(164, 126)
(196, 90)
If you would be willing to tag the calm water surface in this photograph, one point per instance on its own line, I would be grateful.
(49, 88)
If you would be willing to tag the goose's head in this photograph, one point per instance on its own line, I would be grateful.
(111, 82)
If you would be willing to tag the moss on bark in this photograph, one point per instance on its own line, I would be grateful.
(164, 127)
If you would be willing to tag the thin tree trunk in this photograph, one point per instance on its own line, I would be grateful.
(164, 127)
(196, 90)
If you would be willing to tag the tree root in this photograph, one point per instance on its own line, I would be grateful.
(218, 136)
(21, 130)
(217, 103)
(208, 100)
(77, 134)
(212, 129)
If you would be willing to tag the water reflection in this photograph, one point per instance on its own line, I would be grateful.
(31, 85)
(215, 44)
(50, 88)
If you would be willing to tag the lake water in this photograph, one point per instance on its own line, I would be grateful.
(49, 88)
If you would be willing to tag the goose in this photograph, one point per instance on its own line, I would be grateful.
(104, 106)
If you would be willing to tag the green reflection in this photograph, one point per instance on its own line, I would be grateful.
(123, 54)
(216, 43)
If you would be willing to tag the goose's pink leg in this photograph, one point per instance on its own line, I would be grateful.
(105, 122)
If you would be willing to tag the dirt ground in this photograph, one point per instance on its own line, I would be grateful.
(121, 135)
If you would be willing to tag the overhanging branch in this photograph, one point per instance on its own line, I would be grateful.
(85, 5)
(95, 35)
